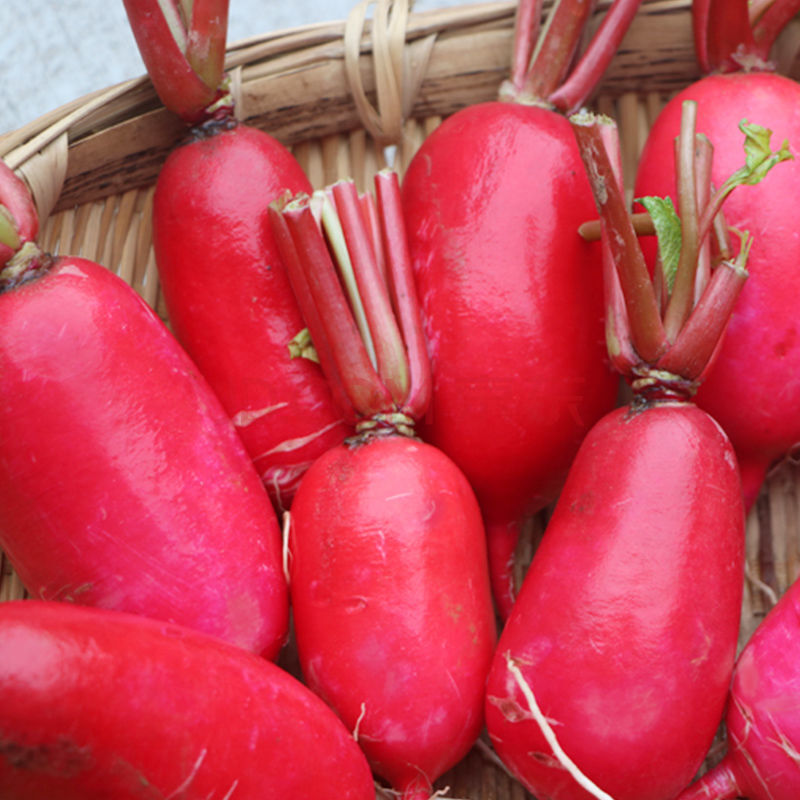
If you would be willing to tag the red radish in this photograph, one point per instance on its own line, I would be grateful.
(225, 287)
(99, 704)
(753, 388)
(388, 571)
(123, 483)
(762, 722)
(511, 296)
(611, 674)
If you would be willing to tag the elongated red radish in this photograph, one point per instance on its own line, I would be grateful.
(762, 723)
(611, 674)
(753, 388)
(511, 296)
(225, 287)
(99, 704)
(388, 569)
(123, 483)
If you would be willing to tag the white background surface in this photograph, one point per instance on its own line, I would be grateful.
(54, 51)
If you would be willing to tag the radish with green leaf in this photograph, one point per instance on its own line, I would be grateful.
(753, 388)
(123, 483)
(225, 287)
(611, 674)
(387, 552)
(511, 295)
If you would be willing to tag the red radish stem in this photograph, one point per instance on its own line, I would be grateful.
(122, 481)
(753, 387)
(730, 37)
(388, 571)
(511, 296)
(762, 723)
(225, 288)
(183, 48)
(102, 704)
(613, 652)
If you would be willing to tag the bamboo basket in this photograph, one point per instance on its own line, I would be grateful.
(348, 98)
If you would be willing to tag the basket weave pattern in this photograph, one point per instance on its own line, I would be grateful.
(348, 98)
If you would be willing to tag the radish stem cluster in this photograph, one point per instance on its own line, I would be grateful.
(666, 329)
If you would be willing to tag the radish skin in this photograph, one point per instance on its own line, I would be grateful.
(100, 704)
(225, 287)
(512, 303)
(392, 604)
(122, 481)
(230, 302)
(628, 618)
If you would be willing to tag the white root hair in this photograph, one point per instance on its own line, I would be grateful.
(550, 737)
(358, 721)
(286, 554)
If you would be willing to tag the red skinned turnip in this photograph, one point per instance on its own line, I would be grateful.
(753, 388)
(123, 483)
(225, 288)
(99, 704)
(611, 674)
(387, 553)
(511, 296)
(762, 722)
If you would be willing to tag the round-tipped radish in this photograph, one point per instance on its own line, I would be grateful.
(123, 483)
(225, 288)
(99, 704)
(387, 553)
(762, 724)
(511, 296)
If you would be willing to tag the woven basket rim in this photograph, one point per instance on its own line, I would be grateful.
(296, 84)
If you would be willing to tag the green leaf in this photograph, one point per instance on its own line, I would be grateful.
(759, 158)
(668, 232)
